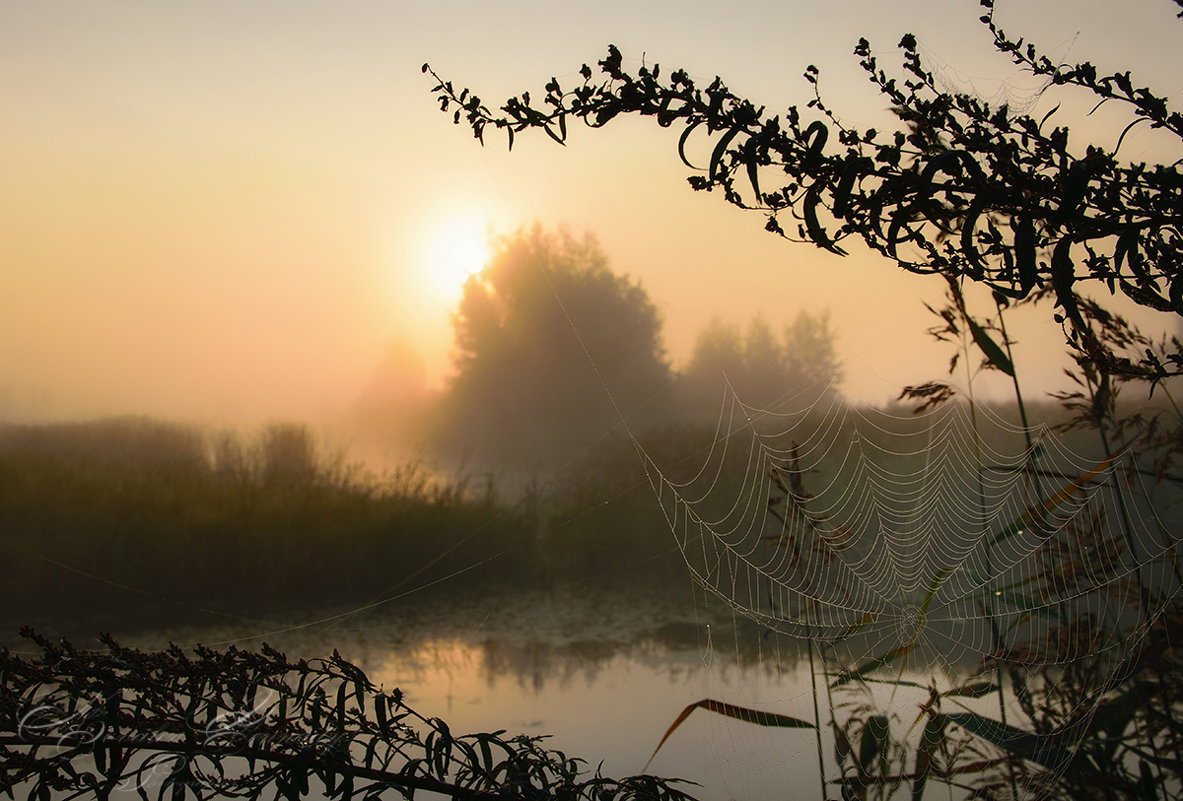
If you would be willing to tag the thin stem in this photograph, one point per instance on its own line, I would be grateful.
(989, 604)
(1014, 375)
(817, 723)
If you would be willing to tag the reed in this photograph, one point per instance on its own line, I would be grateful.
(134, 515)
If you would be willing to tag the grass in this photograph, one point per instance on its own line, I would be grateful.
(131, 515)
(133, 518)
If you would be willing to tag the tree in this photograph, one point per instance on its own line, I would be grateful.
(970, 191)
(552, 348)
(810, 356)
(764, 362)
(717, 357)
(765, 372)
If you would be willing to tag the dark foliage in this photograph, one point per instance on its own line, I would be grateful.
(237, 724)
(150, 520)
(988, 195)
(961, 188)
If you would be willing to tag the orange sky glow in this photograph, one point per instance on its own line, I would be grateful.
(228, 212)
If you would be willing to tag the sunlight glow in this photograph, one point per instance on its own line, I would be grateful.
(458, 248)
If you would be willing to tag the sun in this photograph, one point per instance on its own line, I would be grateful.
(457, 249)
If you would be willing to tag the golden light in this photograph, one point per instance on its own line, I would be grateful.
(458, 249)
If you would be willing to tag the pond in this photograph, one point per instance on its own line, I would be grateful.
(604, 675)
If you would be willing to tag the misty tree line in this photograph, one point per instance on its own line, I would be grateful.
(555, 350)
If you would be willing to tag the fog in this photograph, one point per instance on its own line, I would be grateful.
(287, 357)
(225, 215)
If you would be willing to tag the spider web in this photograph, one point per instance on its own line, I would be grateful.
(937, 543)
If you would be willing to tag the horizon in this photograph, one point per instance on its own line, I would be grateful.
(227, 215)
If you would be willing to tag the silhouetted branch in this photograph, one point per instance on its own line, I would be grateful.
(233, 724)
(962, 188)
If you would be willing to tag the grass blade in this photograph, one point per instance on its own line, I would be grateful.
(876, 741)
(1042, 750)
(937, 580)
(1035, 514)
(978, 689)
(756, 716)
(847, 676)
(989, 347)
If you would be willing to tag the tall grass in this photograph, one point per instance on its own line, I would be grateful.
(132, 515)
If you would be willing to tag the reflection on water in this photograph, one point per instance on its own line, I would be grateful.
(606, 678)
(611, 702)
(604, 675)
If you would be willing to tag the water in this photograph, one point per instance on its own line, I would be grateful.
(604, 675)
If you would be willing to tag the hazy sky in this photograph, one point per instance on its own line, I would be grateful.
(225, 210)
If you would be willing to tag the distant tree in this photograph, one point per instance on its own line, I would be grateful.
(811, 356)
(960, 188)
(764, 371)
(552, 347)
(717, 357)
(390, 408)
(764, 363)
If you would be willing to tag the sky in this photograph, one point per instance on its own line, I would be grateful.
(229, 212)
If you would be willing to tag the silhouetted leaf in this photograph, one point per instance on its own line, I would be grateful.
(816, 135)
(816, 232)
(930, 740)
(756, 716)
(994, 354)
(1025, 254)
(682, 143)
(719, 151)
(751, 158)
